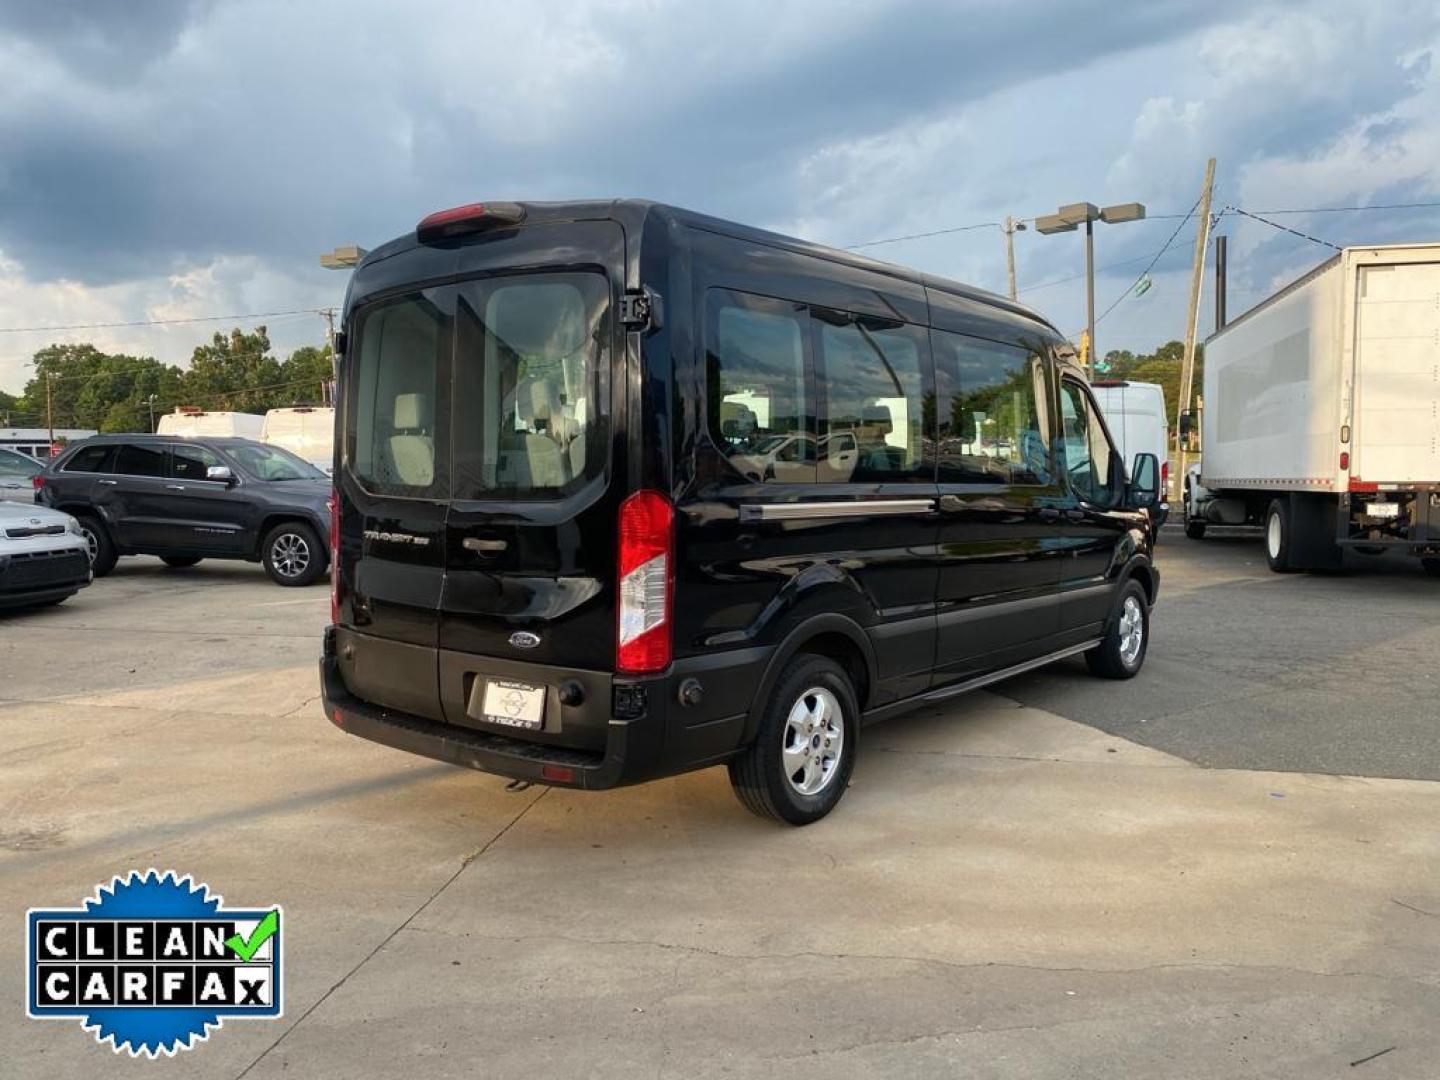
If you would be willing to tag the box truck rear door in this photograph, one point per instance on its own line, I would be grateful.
(1397, 374)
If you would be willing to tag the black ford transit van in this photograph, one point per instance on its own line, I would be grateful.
(624, 490)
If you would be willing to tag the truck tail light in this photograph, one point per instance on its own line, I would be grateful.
(334, 503)
(645, 578)
(1344, 459)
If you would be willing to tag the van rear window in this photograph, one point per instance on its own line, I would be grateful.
(398, 424)
(531, 379)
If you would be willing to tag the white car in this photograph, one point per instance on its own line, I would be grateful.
(43, 556)
(16, 473)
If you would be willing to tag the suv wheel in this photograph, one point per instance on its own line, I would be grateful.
(799, 765)
(1122, 652)
(102, 550)
(292, 554)
(179, 562)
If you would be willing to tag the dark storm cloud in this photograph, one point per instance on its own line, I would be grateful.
(281, 153)
(99, 39)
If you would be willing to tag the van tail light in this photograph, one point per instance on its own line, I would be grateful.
(1165, 475)
(645, 576)
(334, 504)
(1344, 460)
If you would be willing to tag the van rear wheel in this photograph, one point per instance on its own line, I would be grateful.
(799, 765)
(1278, 536)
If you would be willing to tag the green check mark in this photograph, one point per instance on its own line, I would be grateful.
(246, 948)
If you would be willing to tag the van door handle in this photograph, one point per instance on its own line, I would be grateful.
(1075, 515)
(108, 483)
(1048, 513)
(483, 547)
(174, 487)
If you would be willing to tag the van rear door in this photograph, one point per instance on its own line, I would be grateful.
(395, 479)
(530, 538)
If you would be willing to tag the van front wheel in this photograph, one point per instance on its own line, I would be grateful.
(1122, 652)
(799, 765)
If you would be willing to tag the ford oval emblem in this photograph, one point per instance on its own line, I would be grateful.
(524, 639)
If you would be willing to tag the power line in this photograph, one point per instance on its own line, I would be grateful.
(1153, 217)
(1151, 265)
(1284, 228)
(158, 322)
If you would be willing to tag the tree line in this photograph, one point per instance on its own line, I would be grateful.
(1162, 366)
(116, 392)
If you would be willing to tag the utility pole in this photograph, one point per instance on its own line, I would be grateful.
(1010, 228)
(1192, 321)
(50, 412)
(151, 401)
(1090, 295)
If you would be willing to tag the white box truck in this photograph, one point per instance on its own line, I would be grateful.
(185, 421)
(1321, 413)
(307, 431)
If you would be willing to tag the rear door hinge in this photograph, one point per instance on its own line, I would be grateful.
(641, 309)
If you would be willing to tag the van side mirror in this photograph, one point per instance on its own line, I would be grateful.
(1187, 423)
(220, 473)
(1145, 482)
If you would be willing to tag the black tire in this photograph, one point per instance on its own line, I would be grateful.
(179, 562)
(1119, 656)
(1279, 536)
(1432, 566)
(1195, 528)
(102, 549)
(759, 775)
(292, 554)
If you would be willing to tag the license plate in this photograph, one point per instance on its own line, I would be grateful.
(1383, 510)
(514, 704)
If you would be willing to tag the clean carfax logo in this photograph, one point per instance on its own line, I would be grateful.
(151, 963)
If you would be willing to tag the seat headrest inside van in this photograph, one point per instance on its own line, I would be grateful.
(408, 409)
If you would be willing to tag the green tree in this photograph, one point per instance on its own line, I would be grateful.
(234, 371)
(86, 386)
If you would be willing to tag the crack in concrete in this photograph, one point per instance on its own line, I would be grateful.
(1180, 764)
(464, 863)
(922, 960)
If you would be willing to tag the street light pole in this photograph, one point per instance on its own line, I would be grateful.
(1090, 296)
(1068, 219)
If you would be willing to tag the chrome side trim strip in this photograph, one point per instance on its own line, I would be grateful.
(811, 511)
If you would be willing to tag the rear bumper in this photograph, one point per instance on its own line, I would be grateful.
(664, 738)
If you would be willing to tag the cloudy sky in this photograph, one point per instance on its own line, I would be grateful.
(173, 159)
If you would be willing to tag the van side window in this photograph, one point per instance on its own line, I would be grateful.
(993, 424)
(870, 377)
(1089, 459)
(393, 432)
(761, 414)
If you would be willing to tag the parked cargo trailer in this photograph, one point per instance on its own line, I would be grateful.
(1321, 417)
(307, 431)
(218, 423)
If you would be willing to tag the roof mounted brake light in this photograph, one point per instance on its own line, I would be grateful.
(472, 217)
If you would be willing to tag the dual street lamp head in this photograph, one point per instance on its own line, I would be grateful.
(1070, 217)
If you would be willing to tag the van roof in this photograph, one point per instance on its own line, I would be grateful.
(636, 211)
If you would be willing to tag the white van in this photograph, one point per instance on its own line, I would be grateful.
(1135, 414)
(222, 424)
(307, 431)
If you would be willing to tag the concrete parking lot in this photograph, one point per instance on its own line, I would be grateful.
(1225, 868)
